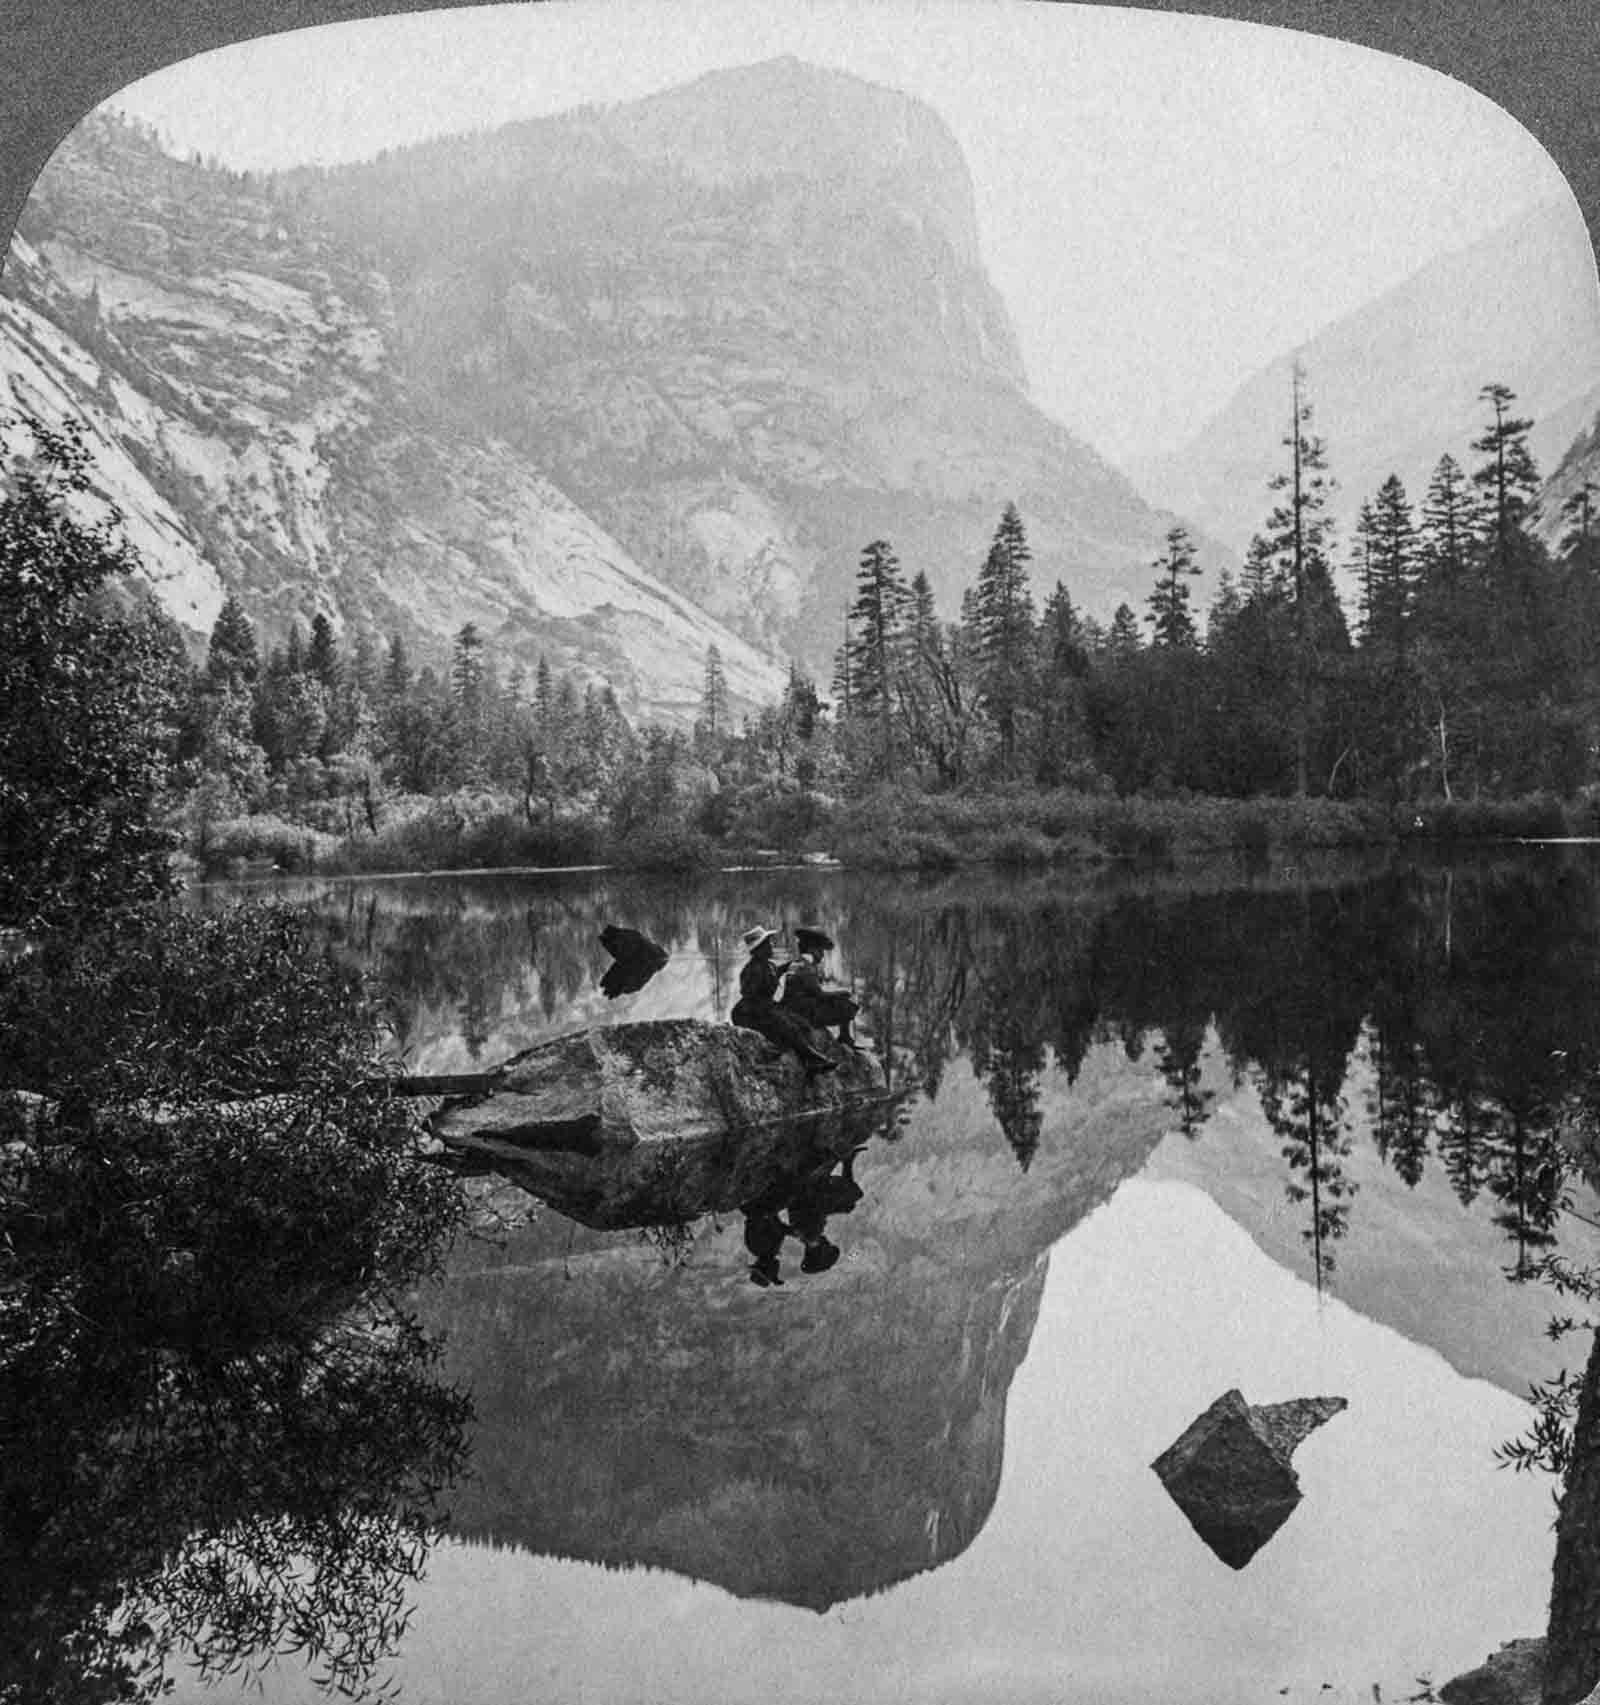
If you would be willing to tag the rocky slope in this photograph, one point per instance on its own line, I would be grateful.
(1395, 384)
(745, 324)
(614, 385)
(236, 371)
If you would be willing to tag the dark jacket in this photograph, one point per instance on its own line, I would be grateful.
(805, 996)
(758, 981)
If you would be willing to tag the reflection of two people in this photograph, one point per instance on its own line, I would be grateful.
(801, 1212)
(805, 1001)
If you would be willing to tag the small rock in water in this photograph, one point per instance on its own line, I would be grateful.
(1229, 1470)
(1512, 1676)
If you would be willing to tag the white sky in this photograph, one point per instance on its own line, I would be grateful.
(1165, 203)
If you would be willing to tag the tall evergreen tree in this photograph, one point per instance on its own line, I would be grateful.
(1122, 641)
(1298, 533)
(322, 652)
(713, 721)
(876, 643)
(232, 656)
(1507, 480)
(1171, 621)
(1446, 525)
(1002, 629)
(1394, 579)
(469, 697)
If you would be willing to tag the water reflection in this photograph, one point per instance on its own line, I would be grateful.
(1459, 1007)
(229, 1449)
(799, 1390)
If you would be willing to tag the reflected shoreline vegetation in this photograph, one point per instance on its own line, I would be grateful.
(1417, 1026)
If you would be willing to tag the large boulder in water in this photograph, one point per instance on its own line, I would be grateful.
(616, 1086)
(1229, 1470)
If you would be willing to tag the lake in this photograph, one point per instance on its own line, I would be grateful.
(1166, 1136)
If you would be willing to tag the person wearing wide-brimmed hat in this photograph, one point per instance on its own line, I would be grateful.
(757, 1007)
(803, 991)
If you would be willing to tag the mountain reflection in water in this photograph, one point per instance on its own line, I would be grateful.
(1409, 1047)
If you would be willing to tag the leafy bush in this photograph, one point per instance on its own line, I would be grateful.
(223, 1427)
(667, 848)
(231, 846)
(1020, 847)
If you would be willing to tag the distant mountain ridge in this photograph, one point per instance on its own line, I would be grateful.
(234, 370)
(1394, 385)
(614, 385)
(746, 325)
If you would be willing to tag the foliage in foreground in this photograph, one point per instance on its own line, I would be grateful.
(224, 1432)
(88, 692)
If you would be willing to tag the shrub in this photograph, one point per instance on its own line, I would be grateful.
(231, 846)
(667, 848)
(207, 1236)
(1019, 847)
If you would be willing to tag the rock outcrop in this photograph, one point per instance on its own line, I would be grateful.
(612, 385)
(1230, 1473)
(658, 1083)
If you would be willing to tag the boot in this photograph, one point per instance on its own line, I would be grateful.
(815, 1063)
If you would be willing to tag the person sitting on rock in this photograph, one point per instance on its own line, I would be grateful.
(757, 1007)
(804, 994)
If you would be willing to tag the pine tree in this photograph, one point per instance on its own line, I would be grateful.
(1363, 558)
(1122, 639)
(1225, 607)
(232, 658)
(1001, 624)
(713, 722)
(1395, 570)
(1298, 531)
(876, 643)
(1171, 620)
(544, 695)
(322, 653)
(1063, 670)
(1446, 525)
(469, 698)
(396, 672)
(1507, 481)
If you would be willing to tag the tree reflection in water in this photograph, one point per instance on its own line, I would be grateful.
(1462, 999)
(1459, 1008)
(224, 1436)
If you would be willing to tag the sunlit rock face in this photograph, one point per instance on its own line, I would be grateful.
(641, 1402)
(746, 325)
(236, 367)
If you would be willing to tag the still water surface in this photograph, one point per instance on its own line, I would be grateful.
(1293, 1135)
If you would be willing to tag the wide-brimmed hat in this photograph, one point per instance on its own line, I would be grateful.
(814, 933)
(753, 938)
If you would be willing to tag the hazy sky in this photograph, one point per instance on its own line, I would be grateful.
(1165, 203)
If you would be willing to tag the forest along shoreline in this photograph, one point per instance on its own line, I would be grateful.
(896, 829)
